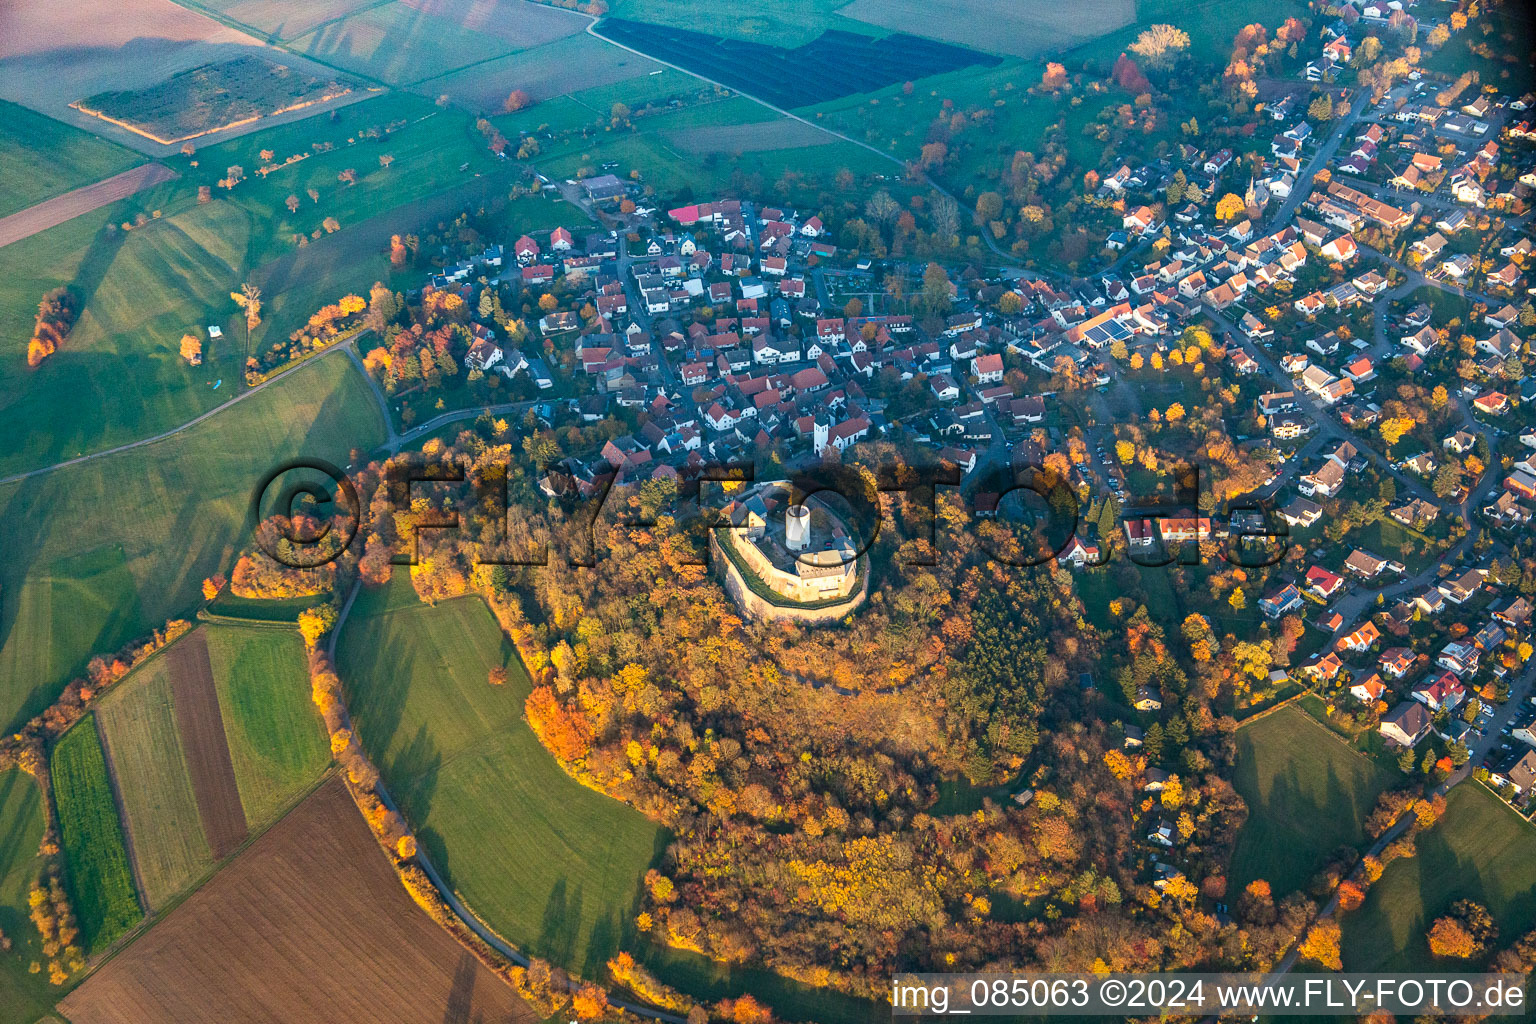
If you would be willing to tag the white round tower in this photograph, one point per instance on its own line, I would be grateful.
(797, 528)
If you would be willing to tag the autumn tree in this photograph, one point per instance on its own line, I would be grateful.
(517, 99)
(248, 298)
(1321, 945)
(192, 349)
(316, 622)
(1160, 45)
(55, 318)
(1229, 206)
(1449, 937)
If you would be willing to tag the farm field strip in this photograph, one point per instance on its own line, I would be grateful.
(202, 734)
(309, 925)
(850, 63)
(100, 884)
(147, 757)
(41, 158)
(274, 735)
(55, 211)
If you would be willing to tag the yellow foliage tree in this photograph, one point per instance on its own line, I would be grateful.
(1321, 946)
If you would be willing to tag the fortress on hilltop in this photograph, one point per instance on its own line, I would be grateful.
(787, 560)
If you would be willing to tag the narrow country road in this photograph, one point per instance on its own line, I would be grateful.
(194, 421)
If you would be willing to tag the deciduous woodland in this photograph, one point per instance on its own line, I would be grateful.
(891, 839)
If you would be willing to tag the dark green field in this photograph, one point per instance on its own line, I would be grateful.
(1307, 794)
(99, 881)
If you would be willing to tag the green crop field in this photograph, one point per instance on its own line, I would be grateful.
(1480, 850)
(1307, 794)
(24, 997)
(548, 863)
(146, 526)
(100, 884)
(41, 158)
(787, 25)
(138, 720)
(275, 736)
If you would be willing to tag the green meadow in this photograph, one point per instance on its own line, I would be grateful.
(41, 158)
(1479, 850)
(102, 552)
(551, 865)
(1307, 793)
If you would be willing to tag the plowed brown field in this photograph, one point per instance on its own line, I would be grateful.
(307, 926)
(202, 737)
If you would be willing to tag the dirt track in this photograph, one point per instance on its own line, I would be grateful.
(202, 737)
(307, 926)
(82, 200)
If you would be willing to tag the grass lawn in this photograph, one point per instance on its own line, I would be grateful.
(99, 882)
(1307, 794)
(260, 609)
(543, 212)
(137, 532)
(551, 865)
(41, 158)
(1480, 850)
(138, 719)
(676, 173)
(275, 736)
(1385, 539)
(23, 997)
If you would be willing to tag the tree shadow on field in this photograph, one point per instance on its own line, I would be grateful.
(377, 696)
(602, 943)
(560, 929)
(415, 769)
(461, 996)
